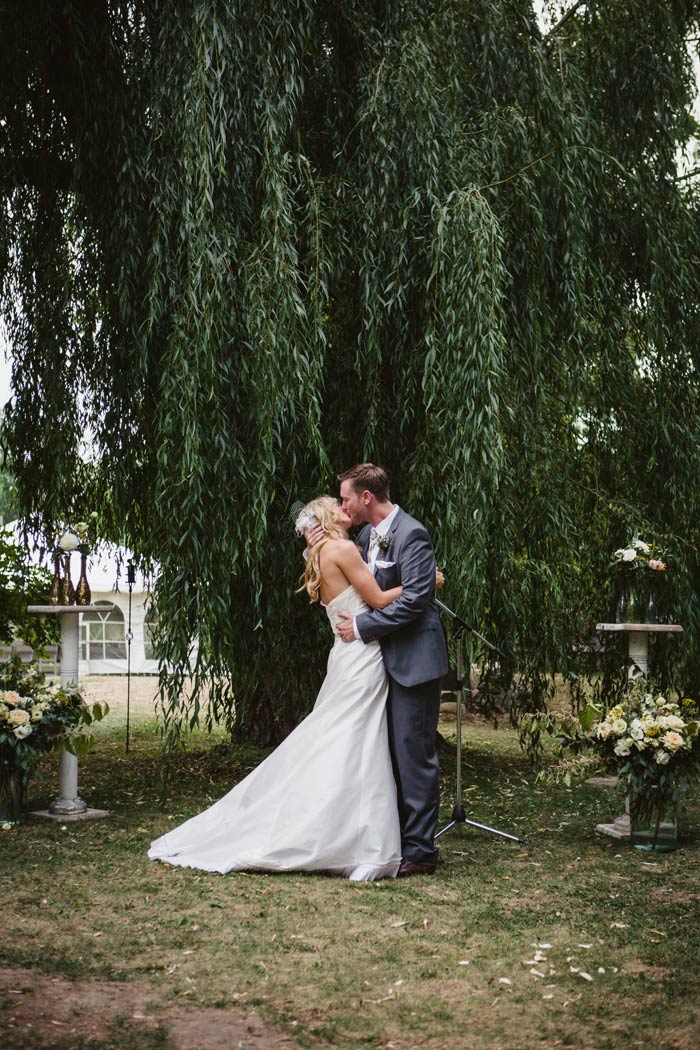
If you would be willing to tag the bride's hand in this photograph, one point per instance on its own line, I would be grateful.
(439, 579)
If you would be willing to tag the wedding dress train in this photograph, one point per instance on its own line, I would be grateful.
(325, 799)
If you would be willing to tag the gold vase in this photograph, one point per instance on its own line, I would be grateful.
(56, 583)
(83, 595)
(68, 592)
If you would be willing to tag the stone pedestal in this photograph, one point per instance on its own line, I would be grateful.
(638, 652)
(68, 805)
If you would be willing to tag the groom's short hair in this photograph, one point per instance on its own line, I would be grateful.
(368, 476)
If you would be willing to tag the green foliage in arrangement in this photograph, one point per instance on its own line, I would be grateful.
(244, 247)
(36, 717)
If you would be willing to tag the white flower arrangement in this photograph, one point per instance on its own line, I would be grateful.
(653, 724)
(649, 741)
(36, 717)
(640, 554)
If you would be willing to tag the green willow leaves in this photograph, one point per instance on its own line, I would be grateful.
(246, 245)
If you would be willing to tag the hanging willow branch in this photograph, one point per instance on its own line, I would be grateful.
(246, 246)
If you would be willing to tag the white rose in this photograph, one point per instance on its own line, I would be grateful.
(674, 722)
(618, 727)
(629, 554)
(22, 731)
(68, 541)
(673, 741)
(662, 757)
(11, 698)
(636, 731)
(18, 717)
(622, 748)
(641, 546)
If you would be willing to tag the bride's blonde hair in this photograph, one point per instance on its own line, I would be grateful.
(323, 510)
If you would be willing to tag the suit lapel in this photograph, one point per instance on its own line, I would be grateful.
(391, 534)
(364, 533)
(363, 540)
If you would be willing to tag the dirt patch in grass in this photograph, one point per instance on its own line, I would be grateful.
(36, 1010)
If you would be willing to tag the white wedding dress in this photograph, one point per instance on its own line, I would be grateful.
(325, 799)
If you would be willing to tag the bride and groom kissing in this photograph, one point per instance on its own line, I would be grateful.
(353, 790)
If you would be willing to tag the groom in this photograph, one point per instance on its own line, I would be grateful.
(397, 549)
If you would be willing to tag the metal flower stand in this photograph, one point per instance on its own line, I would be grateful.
(638, 653)
(68, 805)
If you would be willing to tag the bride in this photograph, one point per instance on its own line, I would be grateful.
(325, 799)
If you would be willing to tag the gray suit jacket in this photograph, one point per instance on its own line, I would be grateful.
(409, 630)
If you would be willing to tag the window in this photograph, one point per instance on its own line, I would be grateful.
(102, 634)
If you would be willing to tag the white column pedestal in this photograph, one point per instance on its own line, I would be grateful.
(68, 805)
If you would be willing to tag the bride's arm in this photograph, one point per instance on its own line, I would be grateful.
(349, 561)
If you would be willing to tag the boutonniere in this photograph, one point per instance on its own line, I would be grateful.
(383, 543)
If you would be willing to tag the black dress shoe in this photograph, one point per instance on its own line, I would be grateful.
(412, 867)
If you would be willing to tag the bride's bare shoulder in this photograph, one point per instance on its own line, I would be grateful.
(336, 548)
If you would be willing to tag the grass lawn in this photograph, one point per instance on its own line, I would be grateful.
(571, 940)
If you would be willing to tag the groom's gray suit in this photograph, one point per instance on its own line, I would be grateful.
(415, 656)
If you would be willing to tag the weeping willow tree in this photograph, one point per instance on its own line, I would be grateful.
(246, 245)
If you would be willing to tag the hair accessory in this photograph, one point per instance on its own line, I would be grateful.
(304, 522)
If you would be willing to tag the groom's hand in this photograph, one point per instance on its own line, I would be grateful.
(314, 536)
(346, 627)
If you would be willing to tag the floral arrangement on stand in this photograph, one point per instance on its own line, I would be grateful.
(649, 741)
(36, 718)
(639, 567)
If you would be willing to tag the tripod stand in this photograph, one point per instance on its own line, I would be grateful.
(459, 626)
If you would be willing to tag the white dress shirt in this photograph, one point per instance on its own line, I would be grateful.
(374, 551)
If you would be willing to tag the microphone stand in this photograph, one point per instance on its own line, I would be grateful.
(459, 626)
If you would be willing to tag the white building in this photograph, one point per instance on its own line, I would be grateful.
(103, 646)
